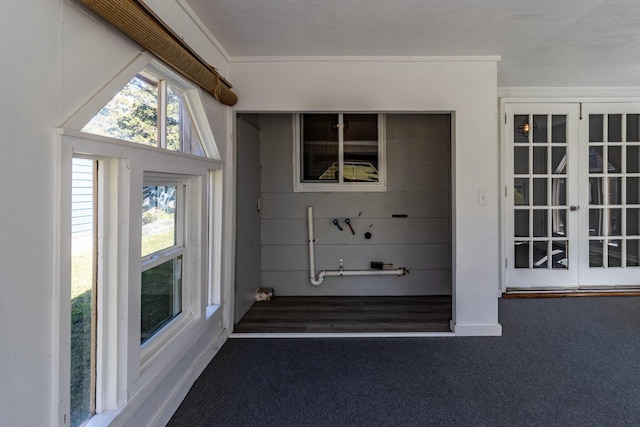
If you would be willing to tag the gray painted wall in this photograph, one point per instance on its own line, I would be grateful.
(248, 263)
(418, 185)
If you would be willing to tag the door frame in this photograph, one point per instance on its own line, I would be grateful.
(529, 96)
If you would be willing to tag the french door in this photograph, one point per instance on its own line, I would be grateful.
(572, 191)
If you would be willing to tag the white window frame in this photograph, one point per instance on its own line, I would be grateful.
(124, 368)
(300, 186)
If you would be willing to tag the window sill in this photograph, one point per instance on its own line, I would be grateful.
(338, 188)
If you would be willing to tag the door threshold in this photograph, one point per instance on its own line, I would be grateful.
(573, 292)
(339, 334)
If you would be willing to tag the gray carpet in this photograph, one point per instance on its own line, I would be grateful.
(560, 362)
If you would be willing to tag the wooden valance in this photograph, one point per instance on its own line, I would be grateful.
(137, 21)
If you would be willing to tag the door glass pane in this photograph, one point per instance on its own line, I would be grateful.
(158, 218)
(559, 128)
(559, 160)
(521, 223)
(615, 191)
(521, 128)
(633, 222)
(633, 191)
(595, 253)
(521, 160)
(633, 159)
(596, 192)
(596, 128)
(540, 224)
(633, 127)
(539, 160)
(559, 222)
(633, 253)
(320, 148)
(614, 162)
(540, 254)
(559, 251)
(615, 128)
(595, 159)
(540, 128)
(521, 191)
(540, 131)
(521, 250)
(614, 251)
(615, 222)
(540, 191)
(558, 191)
(595, 222)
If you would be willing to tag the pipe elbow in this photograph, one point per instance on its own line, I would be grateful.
(317, 281)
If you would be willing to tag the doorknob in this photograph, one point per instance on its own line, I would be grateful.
(574, 208)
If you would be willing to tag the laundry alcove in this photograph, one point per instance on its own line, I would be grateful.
(408, 225)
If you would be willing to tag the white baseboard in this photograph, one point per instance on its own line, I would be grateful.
(476, 330)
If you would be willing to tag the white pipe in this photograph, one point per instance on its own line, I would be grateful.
(317, 281)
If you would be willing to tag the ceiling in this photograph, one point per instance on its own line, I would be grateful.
(579, 43)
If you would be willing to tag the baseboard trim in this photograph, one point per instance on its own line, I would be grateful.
(476, 330)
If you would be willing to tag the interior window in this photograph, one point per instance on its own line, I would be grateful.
(340, 152)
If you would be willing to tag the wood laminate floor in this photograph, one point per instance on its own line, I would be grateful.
(348, 314)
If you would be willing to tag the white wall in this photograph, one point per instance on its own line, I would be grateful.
(55, 57)
(466, 88)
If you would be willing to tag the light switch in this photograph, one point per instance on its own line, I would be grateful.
(482, 197)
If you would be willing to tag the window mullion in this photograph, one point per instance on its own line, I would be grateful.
(162, 114)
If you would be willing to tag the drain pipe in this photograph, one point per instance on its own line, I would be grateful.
(317, 281)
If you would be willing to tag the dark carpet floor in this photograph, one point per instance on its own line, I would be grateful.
(560, 362)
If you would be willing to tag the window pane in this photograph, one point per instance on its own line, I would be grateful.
(539, 160)
(559, 191)
(614, 162)
(132, 115)
(559, 128)
(595, 253)
(521, 250)
(82, 289)
(595, 222)
(614, 258)
(633, 159)
(633, 127)
(158, 218)
(521, 191)
(360, 136)
(521, 128)
(521, 223)
(521, 160)
(559, 160)
(320, 148)
(540, 223)
(559, 254)
(540, 254)
(633, 222)
(161, 298)
(615, 191)
(181, 132)
(632, 253)
(615, 127)
(596, 128)
(595, 159)
(615, 222)
(540, 128)
(540, 191)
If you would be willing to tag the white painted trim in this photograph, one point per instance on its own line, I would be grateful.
(90, 108)
(278, 59)
(203, 28)
(568, 94)
(179, 392)
(344, 335)
(476, 330)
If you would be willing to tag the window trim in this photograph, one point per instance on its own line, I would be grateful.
(300, 186)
